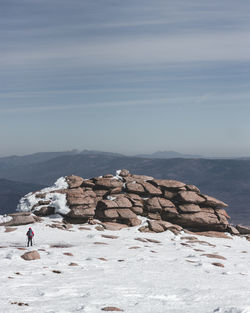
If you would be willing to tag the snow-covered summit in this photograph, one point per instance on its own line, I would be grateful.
(83, 269)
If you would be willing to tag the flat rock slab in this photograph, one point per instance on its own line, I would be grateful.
(215, 234)
(10, 229)
(189, 238)
(152, 240)
(214, 256)
(100, 243)
(61, 245)
(141, 239)
(111, 309)
(218, 264)
(110, 236)
(201, 242)
(84, 228)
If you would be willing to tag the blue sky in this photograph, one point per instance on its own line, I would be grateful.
(125, 76)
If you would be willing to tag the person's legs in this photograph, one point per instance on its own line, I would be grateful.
(31, 241)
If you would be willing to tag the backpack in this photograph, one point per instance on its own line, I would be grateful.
(30, 233)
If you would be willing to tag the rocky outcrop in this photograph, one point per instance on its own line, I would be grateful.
(167, 204)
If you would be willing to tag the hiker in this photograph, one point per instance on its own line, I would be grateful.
(30, 235)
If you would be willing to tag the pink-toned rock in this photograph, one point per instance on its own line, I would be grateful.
(193, 188)
(190, 197)
(137, 210)
(113, 226)
(111, 213)
(151, 189)
(74, 181)
(153, 205)
(107, 204)
(126, 214)
(155, 226)
(81, 212)
(20, 218)
(169, 194)
(141, 178)
(124, 173)
(222, 212)
(88, 183)
(189, 208)
(31, 255)
(232, 230)
(115, 191)
(154, 216)
(101, 192)
(44, 211)
(166, 203)
(215, 234)
(168, 183)
(123, 202)
(135, 188)
(213, 202)
(170, 226)
(199, 221)
(134, 222)
(107, 183)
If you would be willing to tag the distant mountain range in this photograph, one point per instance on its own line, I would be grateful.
(226, 179)
(169, 155)
(12, 191)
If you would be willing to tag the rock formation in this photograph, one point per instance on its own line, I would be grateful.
(124, 197)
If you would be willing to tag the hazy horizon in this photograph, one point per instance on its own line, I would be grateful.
(127, 154)
(131, 77)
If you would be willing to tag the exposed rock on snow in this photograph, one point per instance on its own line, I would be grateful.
(124, 197)
(31, 255)
(20, 218)
(243, 229)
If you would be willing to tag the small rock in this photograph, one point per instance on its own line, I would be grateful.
(100, 243)
(112, 309)
(110, 236)
(73, 264)
(218, 264)
(68, 253)
(214, 256)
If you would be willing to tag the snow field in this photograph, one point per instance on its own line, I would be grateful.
(136, 276)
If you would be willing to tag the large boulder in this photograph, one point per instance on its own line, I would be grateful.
(169, 184)
(20, 218)
(190, 197)
(74, 181)
(31, 255)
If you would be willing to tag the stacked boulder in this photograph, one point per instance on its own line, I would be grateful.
(124, 197)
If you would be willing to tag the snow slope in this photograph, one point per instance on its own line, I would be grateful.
(135, 276)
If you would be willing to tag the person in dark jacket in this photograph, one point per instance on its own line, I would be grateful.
(30, 235)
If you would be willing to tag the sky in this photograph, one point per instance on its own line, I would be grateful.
(134, 76)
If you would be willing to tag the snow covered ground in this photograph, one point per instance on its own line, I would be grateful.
(135, 276)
